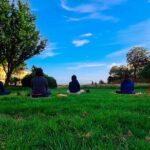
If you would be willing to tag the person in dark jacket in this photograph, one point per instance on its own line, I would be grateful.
(127, 86)
(39, 85)
(2, 89)
(74, 86)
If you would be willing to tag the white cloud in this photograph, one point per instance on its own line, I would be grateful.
(93, 8)
(79, 43)
(77, 66)
(49, 51)
(94, 16)
(86, 35)
(85, 8)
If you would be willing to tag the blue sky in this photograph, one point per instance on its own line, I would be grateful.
(87, 37)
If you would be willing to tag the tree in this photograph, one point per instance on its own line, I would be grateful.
(145, 73)
(138, 57)
(18, 35)
(119, 71)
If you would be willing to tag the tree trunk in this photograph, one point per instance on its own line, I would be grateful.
(8, 77)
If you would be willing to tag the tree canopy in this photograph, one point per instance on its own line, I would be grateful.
(138, 57)
(19, 38)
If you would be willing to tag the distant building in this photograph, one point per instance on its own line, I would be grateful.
(19, 74)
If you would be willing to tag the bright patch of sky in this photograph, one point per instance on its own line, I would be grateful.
(87, 37)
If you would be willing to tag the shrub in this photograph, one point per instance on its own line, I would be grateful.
(26, 81)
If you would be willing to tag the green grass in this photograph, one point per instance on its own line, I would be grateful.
(99, 120)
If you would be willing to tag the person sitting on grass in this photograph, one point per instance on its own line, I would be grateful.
(2, 89)
(127, 86)
(74, 86)
(39, 85)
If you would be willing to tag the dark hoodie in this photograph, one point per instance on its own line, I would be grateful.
(127, 87)
(74, 85)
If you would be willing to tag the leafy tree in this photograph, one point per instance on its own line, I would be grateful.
(118, 71)
(19, 37)
(138, 57)
(145, 73)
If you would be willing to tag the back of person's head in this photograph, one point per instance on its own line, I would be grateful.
(39, 72)
(74, 78)
(126, 76)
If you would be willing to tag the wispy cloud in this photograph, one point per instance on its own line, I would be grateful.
(79, 43)
(93, 9)
(77, 66)
(86, 35)
(91, 6)
(49, 51)
(136, 34)
(94, 16)
(122, 52)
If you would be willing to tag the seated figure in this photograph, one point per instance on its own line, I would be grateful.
(2, 89)
(39, 85)
(74, 86)
(127, 86)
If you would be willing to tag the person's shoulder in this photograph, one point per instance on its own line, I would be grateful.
(44, 79)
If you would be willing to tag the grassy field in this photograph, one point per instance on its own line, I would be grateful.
(99, 120)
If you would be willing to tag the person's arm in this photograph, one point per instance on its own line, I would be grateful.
(132, 86)
(31, 84)
(46, 85)
(121, 87)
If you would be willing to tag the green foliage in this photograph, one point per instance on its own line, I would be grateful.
(26, 81)
(119, 71)
(52, 83)
(138, 57)
(146, 71)
(93, 121)
(19, 37)
(14, 81)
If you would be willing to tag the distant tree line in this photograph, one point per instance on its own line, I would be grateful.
(138, 66)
